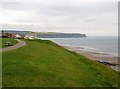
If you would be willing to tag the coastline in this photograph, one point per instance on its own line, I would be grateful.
(104, 58)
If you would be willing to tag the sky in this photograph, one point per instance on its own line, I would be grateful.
(93, 17)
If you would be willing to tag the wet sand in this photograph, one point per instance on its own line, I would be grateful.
(104, 57)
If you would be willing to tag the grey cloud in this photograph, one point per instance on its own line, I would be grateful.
(81, 10)
(12, 5)
(62, 8)
(19, 6)
(91, 20)
(67, 17)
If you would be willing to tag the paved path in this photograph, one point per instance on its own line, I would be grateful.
(18, 45)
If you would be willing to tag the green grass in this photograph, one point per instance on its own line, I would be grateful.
(47, 32)
(44, 63)
(0, 42)
(3, 40)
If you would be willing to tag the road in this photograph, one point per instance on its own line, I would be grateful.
(18, 45)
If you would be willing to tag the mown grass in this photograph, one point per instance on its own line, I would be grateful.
(4, 40)
(45, 64)
(0, 42)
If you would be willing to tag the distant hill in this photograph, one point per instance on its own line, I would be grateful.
(48, 34)
(22, 33)
(60, 35)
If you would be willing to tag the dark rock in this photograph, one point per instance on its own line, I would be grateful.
(106, 63)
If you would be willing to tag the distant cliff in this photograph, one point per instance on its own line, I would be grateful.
(48, 34)
(60, 35)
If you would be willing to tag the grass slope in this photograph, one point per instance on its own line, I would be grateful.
(3, 40)
(0, 42)
(43, 63)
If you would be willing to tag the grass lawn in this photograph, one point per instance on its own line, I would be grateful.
(4, 40)
(43, 63)
(0, 42)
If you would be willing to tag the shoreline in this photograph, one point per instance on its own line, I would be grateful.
(104, 58)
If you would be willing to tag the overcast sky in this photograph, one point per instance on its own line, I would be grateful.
(92, 18)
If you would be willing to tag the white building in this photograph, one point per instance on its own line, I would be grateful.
(31, 35)
(17, 36)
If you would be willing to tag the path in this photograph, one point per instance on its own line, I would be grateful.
(18, 45)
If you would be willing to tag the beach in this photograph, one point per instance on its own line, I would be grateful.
(107, 59)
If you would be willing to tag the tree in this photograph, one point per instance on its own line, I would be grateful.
(2, 33)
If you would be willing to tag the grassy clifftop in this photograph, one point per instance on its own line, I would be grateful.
(44, 63)
(4, 40)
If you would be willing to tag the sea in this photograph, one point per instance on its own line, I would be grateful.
(100, 44)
